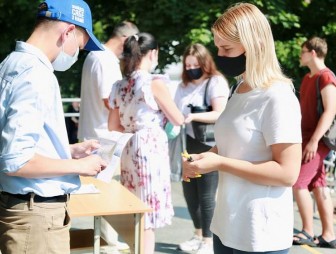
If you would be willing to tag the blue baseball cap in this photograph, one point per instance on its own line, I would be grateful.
(76, 12)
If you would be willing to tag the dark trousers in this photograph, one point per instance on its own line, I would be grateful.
(200, 193)
(219, 248)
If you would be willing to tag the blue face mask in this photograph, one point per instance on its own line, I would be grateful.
(64, 61)
(194, 73)
(232, 66)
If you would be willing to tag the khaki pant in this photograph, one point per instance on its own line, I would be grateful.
(33, 228)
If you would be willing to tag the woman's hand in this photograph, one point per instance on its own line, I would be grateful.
(189, 118)
(83, 149)
(201, 164)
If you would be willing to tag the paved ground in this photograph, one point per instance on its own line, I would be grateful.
(168, 238)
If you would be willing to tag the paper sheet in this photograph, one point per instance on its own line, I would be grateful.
(86, 189)
(111, 150)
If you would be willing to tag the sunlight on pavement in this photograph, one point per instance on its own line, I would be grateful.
(310, 249)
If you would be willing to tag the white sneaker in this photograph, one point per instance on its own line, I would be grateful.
(109, 250)
(193, 244)
(121, 246)
(205, 248)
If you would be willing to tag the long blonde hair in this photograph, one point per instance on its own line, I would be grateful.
(244, 23)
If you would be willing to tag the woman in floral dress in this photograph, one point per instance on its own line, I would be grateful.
(141, 104)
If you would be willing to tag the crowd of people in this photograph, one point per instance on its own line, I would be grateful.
(238, 187)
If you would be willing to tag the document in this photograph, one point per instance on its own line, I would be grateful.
(111, 150)
(86, 189)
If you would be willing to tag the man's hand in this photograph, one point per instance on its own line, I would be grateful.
(83, 149)
(91, 165)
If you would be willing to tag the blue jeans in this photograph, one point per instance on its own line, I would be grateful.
(219, 248)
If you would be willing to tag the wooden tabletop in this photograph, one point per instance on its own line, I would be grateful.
(113, 199)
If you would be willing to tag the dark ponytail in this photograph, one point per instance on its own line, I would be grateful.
(135, 48)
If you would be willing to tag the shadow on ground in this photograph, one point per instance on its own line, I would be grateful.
(181, 212)
(167, 248)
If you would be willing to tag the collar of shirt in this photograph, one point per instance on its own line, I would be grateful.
(113, 55)
(31, 49)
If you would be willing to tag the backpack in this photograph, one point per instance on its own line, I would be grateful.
(329, 138)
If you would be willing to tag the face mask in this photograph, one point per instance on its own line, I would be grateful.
(232, 66)
(194, 73)
(64, 61)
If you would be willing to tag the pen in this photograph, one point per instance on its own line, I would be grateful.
(186, 155)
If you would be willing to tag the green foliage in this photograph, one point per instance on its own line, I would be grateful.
(177, 23)
(16, 22)
(291, 50)
(287, 20)
(329, 29)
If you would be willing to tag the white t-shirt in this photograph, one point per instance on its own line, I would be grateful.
(248, 216)
(101, 70)
(194, 94)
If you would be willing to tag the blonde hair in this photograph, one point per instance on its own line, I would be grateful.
(244, 23)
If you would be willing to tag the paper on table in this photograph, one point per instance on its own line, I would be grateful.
(86, 189)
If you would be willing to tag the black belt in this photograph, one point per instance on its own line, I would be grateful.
(36, 198)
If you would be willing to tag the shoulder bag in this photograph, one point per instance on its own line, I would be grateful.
(204, 132)
(329, 138)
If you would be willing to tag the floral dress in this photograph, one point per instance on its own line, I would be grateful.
(145, 169)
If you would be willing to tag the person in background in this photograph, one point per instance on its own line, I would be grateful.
(100, 71)
(38, 167)
(141, 104)
(71, 122)
(312, 174)
(258, 140)
(199, 71)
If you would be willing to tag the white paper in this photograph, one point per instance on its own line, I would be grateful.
(86, 189)
(111, 150)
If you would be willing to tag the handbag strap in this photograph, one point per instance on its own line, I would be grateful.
(318, 93)
(205, 93)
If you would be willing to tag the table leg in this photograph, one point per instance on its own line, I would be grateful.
(137, 242)
(96, 234)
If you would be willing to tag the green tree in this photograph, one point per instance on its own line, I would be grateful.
(177, 23)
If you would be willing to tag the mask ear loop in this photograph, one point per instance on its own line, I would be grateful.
(74, 33)
(63, 40)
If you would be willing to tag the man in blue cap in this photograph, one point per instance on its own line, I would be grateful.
(38, 167)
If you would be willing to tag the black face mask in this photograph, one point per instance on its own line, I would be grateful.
(194, 73)
(232, 66)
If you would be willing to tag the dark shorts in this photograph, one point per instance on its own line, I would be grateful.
(312, 174)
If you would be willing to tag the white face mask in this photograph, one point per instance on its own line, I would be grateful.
(64, 61)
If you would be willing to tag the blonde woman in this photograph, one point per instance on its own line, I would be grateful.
(258, 140)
